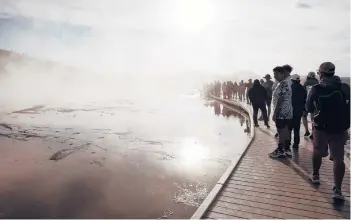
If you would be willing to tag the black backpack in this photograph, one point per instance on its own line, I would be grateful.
(333, 108)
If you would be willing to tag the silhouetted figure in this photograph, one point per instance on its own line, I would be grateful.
(224, 88)
(248, 87)
(230, 89)
(236, 89)
(258, 97)
(299, 95)
(268, 85)
(241, 90)
(218, 89)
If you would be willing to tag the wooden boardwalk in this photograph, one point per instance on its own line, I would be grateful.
(261, 187)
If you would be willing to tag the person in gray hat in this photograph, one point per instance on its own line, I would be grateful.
(330, 103)
(311, 80)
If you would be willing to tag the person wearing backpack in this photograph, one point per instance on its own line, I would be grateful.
(330, 103)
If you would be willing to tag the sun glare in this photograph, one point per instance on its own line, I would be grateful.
(193, 152)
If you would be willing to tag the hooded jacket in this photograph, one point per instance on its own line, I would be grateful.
(310, 82)
(298, 98)
(334, 118)
(257, 94)
(332, 82)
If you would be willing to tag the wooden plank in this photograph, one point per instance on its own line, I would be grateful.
(238, 211)
(255, 208)
(310, 205)
(290, 185)
(286, 207)
(285, 188)
(327, 171)
(287, 174)
(216, 215)
(265, 178)
(282, 192)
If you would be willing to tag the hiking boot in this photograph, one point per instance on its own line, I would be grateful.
(315, 178)
(288, 152)
(277, 153)
(256, 125)
(337, 194)
(276, 135)
(307, 134)
(267, 125)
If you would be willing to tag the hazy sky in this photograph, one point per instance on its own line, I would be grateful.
(181, 36)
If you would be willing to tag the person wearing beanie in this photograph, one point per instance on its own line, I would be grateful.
(330, 102)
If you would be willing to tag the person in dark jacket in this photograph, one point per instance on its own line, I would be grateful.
(298, 98)
(258, 97)
(311, 80)
(330, 103)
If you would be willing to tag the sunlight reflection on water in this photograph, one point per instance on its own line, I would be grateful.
(192, 152)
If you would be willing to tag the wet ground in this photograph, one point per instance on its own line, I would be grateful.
(115, 158)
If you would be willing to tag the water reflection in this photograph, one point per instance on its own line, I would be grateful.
(217, 108)
(222, 110)
(247, 129)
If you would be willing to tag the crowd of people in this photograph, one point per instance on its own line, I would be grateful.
(327, 100)
(230, 90)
